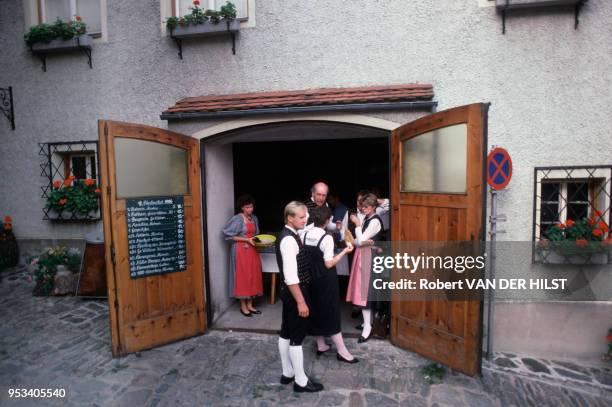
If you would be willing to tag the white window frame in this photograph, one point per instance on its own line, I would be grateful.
(167, 7)
(34, 11)
(601, 202)
(486, 3)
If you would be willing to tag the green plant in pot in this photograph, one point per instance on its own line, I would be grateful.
(74, 196)
(47, 32)
(227, 12)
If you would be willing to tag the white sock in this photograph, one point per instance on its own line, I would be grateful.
(367, 322)
(283, 349)
(339, 342)
(297, 360)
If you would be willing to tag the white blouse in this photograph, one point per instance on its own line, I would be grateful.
(362, 235)
(327, 245)
(289, 250)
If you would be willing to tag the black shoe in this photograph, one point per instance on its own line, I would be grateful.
(362, 339)
(286, 380)
(320, 352)
(246, 314)
(311, 387)
(256, 312)
(341, 359)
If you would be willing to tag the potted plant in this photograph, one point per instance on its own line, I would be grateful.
(79, 198)
(59, 36)
(56, 271)
(203, 23)
(9, 251)
(586, 241)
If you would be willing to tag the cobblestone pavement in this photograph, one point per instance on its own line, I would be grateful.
(64, 342)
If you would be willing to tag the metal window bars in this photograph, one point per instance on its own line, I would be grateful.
(54, 166)
(598, 179)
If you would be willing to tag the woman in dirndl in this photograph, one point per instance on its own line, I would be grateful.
(245, 281)
(324, 293)
(369, 228)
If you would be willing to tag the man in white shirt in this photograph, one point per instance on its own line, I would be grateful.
(294, 266)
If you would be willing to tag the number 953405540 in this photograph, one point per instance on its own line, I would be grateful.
(36, 393)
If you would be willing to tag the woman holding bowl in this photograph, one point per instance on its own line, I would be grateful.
(245, 281)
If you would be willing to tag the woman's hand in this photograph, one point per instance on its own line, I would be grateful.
(355, 220)
(349, 248)
(302, 309)
(250, 241)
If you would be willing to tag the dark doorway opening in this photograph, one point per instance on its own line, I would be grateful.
(275, 173)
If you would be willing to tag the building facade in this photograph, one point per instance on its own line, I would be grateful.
(548, 81)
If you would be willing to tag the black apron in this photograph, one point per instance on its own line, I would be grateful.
(324, 294)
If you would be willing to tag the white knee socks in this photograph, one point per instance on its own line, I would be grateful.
(297, 360)
(367, 322)
(283, 349)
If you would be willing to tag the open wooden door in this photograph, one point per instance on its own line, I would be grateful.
(437, 194)
(150, 181)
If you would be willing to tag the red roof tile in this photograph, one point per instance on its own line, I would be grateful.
(308, 97)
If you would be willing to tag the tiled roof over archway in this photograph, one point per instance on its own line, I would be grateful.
(326, 99)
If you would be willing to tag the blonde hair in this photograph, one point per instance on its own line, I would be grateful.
(292, 208)
(369, 200)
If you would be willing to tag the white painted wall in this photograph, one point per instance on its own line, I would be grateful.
(219, 173)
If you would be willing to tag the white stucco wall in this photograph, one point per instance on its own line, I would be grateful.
(550, 85)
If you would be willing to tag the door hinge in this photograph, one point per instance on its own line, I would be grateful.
(113, 255)
(108, 190)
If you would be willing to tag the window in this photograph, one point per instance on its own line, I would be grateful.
(89, 10)
(59, 162)
(93, 13)
(245, 10)
(571, 193)
(182, 7)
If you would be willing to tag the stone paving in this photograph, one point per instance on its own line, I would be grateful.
(64, 342)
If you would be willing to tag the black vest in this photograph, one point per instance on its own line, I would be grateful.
(303, 262)
(377, 237)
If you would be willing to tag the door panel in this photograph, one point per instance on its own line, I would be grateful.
(155, 309)
(431, 203)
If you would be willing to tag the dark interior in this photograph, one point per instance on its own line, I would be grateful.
(275, 173)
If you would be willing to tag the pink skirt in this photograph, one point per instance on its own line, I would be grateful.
(359, 282)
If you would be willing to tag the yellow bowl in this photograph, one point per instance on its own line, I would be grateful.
(265, 240)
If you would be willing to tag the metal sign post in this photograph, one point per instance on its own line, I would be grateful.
(499, 172)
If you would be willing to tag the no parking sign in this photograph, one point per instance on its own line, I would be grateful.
(499, 168)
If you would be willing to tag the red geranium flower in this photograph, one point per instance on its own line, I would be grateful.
(597, 232)
(8, 219)
(591, 221)
(67, 182)
(196, 3)
(597, 213)
(63, 201)
(57, 184)
(581, 243)
(97, 191)
(89, 182)
(604, 226)
(569, 223)
(78, 18)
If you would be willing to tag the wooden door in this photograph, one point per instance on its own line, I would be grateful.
(159, 305)
(437, 194)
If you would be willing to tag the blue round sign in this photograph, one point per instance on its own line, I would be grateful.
(499, 168)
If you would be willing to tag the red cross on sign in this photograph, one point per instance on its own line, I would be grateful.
(499, 168)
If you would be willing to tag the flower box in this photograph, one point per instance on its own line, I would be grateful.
(79, 43)
(207, 29)
(514, 4)
(60, 45)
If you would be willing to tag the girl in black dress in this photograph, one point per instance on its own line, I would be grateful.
(325, 316)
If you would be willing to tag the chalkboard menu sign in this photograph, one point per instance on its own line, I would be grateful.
(156, 236)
